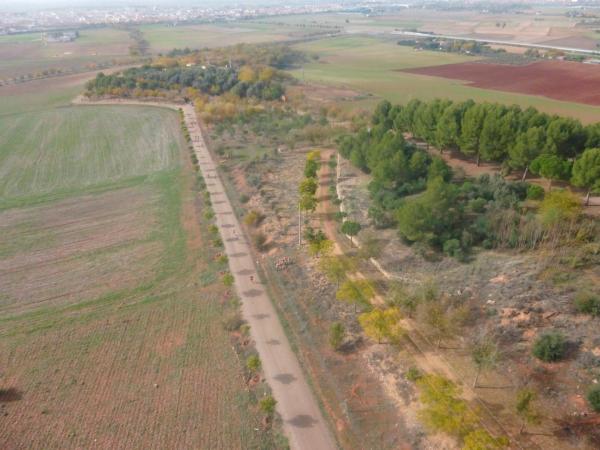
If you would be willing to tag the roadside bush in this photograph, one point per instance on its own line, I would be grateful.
(535, 192)
(550, 347)
(228, 279)
(253, 363)
(260, 241)
(253, 218)
(233, 321)
(244, 199)
(593, 398)
(587, 303)
(267, 405)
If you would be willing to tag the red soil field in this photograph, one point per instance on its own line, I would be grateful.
(560, 80)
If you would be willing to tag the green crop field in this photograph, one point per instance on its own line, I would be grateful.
(69, 149)
(373, 65)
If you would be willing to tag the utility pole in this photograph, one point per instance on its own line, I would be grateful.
(299, 226)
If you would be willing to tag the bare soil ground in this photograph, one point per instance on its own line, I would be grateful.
(561, 80)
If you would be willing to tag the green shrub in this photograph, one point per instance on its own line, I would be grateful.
(260, 241)
(535, 192)
(550, 346)
(228, 279)
(413, 374)
(267, 405)
(336, 335)
(587, 303)
(244, 199)
(232, 321)
(452, 247)
(593, 398)
(477, 205)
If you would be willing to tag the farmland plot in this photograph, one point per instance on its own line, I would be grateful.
(110, 335)
(61, 151)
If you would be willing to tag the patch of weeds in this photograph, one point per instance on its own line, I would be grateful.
(208, 277)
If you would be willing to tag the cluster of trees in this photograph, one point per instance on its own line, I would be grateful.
(210, 80)
(453, 215)
(521, 139)
(451, 46)
(247, 71)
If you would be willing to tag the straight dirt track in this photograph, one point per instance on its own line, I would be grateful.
(560, 80)
(303, 421)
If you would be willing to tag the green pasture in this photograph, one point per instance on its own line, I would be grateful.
(374, 66)
(61, 151)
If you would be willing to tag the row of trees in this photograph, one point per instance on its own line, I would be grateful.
(521, 139)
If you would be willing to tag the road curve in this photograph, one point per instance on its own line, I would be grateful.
(303, 422)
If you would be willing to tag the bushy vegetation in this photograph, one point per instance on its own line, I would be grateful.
(452, 215)
(593, 397)
(444, 410)
(550, 347)
(587, 303)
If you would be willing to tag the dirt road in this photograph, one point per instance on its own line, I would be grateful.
(304, 425)
(303, 421)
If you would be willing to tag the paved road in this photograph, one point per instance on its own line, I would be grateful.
(304, 424)
(496, 41)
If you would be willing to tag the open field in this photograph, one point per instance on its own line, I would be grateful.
(377, 66)
(68, 149)
(111, 308)
(164, 38)
(28, 54)
(561, 80)
(538, 25)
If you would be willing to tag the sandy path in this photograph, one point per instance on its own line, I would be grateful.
(304, 425)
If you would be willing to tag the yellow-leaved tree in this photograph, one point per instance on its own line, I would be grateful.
(247, 74)
(382, 324)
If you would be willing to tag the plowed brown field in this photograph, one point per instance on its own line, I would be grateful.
(560, 80)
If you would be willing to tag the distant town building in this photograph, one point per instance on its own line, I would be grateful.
(60, 36)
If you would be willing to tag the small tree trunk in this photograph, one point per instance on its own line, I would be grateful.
(587, 197)
(299, 227)
(549, 184)
(478, 159)
(438, 343)
(476, 378)
(525, 173)
(522, 428)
